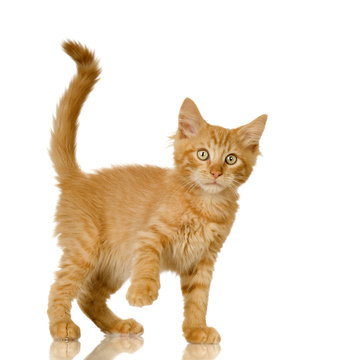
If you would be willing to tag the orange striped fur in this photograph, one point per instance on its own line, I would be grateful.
(136, 221)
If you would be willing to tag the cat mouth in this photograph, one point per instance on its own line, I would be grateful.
(214, 184)
(212, 187)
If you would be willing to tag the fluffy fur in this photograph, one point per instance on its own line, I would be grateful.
(136, 221)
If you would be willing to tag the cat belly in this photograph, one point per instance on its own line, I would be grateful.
(115, 264)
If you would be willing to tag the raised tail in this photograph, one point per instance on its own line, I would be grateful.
(63, 135)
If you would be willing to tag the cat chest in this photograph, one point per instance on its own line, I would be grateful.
(189, 244)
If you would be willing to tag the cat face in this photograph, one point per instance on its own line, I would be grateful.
(212, 158)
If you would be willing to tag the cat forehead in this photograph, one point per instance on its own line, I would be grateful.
(218, 137)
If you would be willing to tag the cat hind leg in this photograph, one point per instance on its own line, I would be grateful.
(92, 301)
(62, 292)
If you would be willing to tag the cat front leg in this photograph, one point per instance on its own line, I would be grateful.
(145, 278)
(195, 288)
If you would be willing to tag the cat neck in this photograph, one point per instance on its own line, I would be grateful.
(214, 207)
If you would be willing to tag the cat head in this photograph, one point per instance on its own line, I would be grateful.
(211, 158)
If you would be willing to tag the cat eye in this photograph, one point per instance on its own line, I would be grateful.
(231, 159)
(203, 155)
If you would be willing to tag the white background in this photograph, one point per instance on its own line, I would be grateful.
(286, 284)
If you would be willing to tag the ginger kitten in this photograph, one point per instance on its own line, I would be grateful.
(136, 221)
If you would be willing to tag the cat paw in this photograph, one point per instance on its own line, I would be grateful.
(65, 330)
(202, 335)
(142, 293)
(128, 326)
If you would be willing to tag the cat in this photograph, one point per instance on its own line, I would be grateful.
(136, 221)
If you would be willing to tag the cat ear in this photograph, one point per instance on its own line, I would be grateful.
(190, 120)
(250, 134)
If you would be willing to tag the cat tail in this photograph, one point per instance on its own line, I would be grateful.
(63, 136)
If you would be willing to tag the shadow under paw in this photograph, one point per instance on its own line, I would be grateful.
(201, 351)
(64, 350)
(113, 345)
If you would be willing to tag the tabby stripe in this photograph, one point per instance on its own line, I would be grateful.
(186, 289)
(191, 304)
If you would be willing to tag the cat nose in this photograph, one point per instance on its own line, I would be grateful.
(215, 173)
